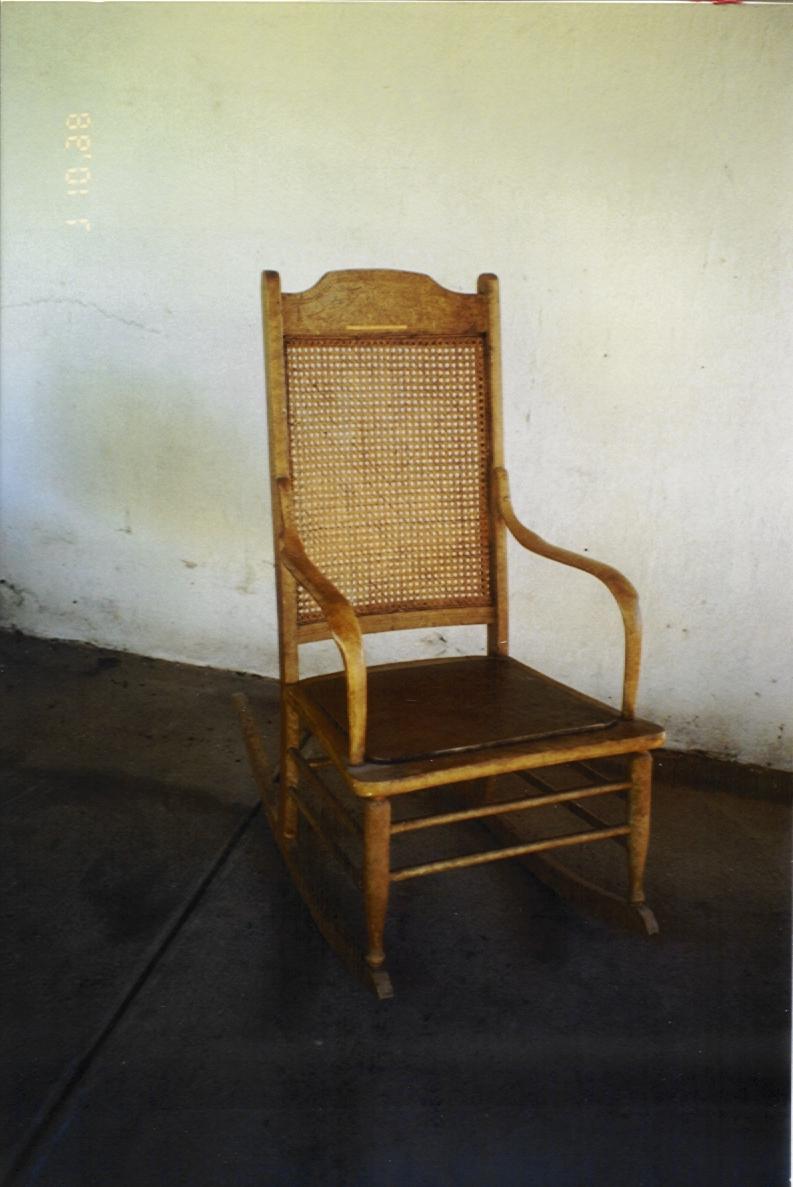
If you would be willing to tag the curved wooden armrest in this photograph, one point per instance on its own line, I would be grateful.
(340, 617)
(626, 596)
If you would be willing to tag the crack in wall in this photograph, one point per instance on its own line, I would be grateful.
(83, 305)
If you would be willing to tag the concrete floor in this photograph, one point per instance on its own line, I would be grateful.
(174, 1018)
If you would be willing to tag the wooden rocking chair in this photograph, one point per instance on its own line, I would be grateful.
(391, 509)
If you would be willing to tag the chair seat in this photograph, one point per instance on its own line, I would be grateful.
(450, 706)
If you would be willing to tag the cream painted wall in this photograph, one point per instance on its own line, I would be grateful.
(625, 170)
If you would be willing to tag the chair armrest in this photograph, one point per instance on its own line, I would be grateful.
(626, 596)
(340, 617)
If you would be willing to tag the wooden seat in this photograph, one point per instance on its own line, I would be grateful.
(391, 510)
(453, 706)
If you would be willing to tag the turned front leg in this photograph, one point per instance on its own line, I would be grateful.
(376, 875)
(639, 821)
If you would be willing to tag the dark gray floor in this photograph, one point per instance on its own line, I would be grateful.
(174, 1018)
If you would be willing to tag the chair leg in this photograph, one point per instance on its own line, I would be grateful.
(476, 792)
(489, 786)
(376, 875)
(639, 820)
(287, 808)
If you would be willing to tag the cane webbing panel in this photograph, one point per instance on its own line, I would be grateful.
(388, 442)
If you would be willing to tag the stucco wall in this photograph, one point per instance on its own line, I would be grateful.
(625, 170)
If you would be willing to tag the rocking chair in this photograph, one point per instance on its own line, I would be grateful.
(391, 510)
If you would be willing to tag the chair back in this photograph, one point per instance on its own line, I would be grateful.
(384, 414)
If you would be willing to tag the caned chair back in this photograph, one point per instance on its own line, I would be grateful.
(385, 418)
